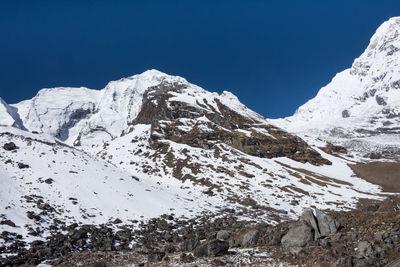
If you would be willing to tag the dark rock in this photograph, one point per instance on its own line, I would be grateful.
(211, 248)
(98, 264)
(201, 234)
(8, 222)
(117, 221)
(31, 215)
(49, 181)
(343, 262)
(298, 235)
(22, 165)
(374, 155)
(186, 258)
(155, 256)
(189, 245)
(380, 100)
(169, 249)
(9, 146)
(345, 113)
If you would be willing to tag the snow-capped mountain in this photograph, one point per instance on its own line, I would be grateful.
(360, 107)
(153, 144)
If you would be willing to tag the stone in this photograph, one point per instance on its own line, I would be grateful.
(22, 165)
(298, 235)
(98, 264)
(201, 251)
(9, 146)
(250, 238)
(117, 221)
(186, 258)
(155, 256)
(211, 248)
(217, 247)
(343, 262)
(49, 181)
(189, 245)
(326, 224)
(308, 216)
(8, 222)
(223, 235)
(364, 249)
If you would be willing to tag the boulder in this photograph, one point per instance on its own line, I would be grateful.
(117, 221)
(22, 165)
(189, 245)
(8, 222)
(299, 234)
(223, 235)
(155, 256)
(250, 238)
(326, 224)
(9, 146)
(364, 249)
(211, 248)
(308, 216)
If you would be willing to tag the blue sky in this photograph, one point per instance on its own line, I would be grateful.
(274, 55)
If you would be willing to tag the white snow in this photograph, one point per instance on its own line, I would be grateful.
(364, 97)
(103, 166)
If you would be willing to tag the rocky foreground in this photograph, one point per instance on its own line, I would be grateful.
(366, 236)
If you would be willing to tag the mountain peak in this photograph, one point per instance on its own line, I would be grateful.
(154, 76)
(360, 102)
(388, 31)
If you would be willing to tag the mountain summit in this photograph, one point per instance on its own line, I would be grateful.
(360, 107)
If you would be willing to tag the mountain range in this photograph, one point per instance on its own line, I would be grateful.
(155, 144)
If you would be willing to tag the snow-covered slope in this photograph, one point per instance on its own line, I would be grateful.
(44, 181)
(360, 107)
(152, 144)
(9, 115)
(86, 115)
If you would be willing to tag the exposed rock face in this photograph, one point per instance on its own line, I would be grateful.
(206, 124)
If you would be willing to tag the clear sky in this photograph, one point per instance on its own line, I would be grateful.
(274, 55)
